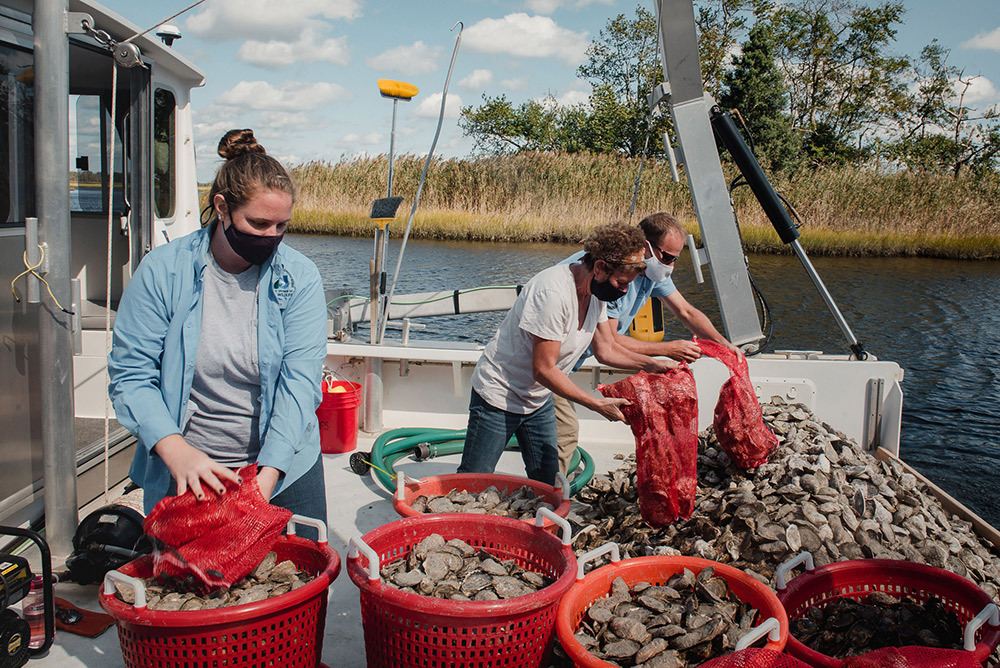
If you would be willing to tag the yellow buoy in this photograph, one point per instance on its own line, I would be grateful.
(648, 322)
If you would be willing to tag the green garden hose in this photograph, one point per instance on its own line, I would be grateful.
(396, 444)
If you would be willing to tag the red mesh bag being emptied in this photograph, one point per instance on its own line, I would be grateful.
(753, 657)
(218, 540)
(663, 416)
(739, 424)
(913, 657)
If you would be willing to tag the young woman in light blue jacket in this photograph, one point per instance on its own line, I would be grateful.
(219, 343)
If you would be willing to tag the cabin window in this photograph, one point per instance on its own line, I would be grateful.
(89, 128)
(17, 136)
(164, 153)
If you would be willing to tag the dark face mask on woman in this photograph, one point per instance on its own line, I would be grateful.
(604, 291)
(253, 248)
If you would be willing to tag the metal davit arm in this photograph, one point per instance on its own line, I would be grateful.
(689, 109)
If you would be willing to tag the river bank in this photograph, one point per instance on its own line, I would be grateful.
(540, 197)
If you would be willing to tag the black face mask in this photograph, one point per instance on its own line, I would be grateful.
(253, 248)
(605, 291)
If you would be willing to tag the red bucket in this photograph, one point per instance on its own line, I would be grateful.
(405, 630)
(338, 416)
(857, 579)
(283, 631)
(657, 571)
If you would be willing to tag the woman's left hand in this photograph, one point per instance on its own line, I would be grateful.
(267, 478)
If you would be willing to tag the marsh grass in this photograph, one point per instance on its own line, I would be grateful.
(561, 197)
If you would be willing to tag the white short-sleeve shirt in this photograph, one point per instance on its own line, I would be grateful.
(549, 309)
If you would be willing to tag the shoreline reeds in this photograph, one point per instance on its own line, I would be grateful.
(537, 197)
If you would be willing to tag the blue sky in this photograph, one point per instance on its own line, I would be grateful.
(302, 73)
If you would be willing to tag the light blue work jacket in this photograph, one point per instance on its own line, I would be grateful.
(156, 334)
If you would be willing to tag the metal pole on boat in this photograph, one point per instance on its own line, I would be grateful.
(55, 340)
(392, 145)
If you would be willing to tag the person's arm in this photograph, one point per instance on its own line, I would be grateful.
(544, 355)
(298, 389)
(680, 350)
(140, 332)
(608, 351)
(695, 321)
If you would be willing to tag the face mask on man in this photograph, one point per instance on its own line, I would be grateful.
(253, 248)
(656, 271)
(604, 291)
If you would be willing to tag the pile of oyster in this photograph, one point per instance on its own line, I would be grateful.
(522, 504)
(684, 622)
(271, 578)
(457, 571)
(848, 627)
(819, 492)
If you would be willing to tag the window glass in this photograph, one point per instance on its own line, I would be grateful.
(89, 126)
(164, 159)
(17, 137)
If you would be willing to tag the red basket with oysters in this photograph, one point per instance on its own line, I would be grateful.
(420, 609)
(472, 490)
(655, 582)
(887, 583)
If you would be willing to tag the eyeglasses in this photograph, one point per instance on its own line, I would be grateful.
(665, 257)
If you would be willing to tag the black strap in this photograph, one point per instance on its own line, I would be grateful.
(454, 300)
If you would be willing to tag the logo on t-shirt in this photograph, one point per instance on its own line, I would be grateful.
(284, 287)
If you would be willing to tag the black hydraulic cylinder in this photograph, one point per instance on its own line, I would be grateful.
(727, 132)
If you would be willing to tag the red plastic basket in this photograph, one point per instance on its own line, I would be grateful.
(408, 489)
(856, 579)
(403, 629)
(656, 571)
(283, 631)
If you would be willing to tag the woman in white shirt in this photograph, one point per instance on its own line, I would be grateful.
(558, 315)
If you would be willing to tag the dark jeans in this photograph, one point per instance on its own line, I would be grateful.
(490, 428)
(306, 496)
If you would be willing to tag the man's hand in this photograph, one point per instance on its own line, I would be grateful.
(267, 478)
(662, 365)
(681, 350)
(190, 467)
(609, 408)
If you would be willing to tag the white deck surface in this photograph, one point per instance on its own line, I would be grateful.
(356, 505)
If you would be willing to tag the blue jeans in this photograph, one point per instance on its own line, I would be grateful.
(306, 496)
(490, 428)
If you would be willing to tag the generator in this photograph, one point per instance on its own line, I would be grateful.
(15, 582)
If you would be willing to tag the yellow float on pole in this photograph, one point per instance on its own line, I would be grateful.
(648, 322)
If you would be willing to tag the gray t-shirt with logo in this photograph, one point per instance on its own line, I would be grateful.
(224, 407)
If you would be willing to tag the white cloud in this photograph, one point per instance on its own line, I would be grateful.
(980, 89)
(266, 19)
(572, 98)
(290, 96)
(285, 120)
(549, 6)
(289, 160)
(514, 84)
(368, 139)
(431, 106)
(307, 48)
(478, 80)
(527, 37)
(984, 40)
(417, 58)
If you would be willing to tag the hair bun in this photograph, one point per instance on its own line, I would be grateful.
(238, 142)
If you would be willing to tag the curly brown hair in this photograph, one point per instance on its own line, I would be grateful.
(616, 244)
(247, 170)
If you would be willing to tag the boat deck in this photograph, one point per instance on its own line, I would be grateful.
(356, 505)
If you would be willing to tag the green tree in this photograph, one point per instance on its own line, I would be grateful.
(499, 127)
(755, 88)
(721, 24)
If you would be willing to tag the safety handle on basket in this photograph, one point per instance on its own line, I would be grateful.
(770, 627)
(319, 525)
(401, 483)
(991, 614)
(586, 557)
(356, 545)
(782, 573)
(138, 589)
(562, 482)
(567, 532)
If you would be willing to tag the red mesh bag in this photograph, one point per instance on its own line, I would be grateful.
(913, 657)
(754, 657)
(738, 422)
(663, 416)
(218, 540)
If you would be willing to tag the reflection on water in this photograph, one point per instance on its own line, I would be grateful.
(939, 319)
